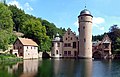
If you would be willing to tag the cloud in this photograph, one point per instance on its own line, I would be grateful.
(28, 7)
(14, 2)
(76, 23)
(97, 22)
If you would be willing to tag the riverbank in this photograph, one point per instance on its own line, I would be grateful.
(9, 57)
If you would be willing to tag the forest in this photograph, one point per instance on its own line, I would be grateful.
(13, 19)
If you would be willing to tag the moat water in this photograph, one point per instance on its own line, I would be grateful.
(61, 68)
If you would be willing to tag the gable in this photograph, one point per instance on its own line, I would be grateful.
(106, 39)
(69, 35)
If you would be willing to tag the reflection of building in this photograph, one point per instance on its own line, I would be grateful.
(26, 48)
(30, 68)
(27, 68)
(102, 49)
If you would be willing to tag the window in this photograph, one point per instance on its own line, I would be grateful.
(69, 52)
(71, 38)
(84, 40)
(78, 29)
(56, 51)
(53, 54)
(31, 47)
(27, 47)
(65, 45)
(83, 27)
(58, 44)
(74, 44)
(69, 44)
(65, 53)
(106, 45)
(81, 18)
(66, 38)
(68, 32)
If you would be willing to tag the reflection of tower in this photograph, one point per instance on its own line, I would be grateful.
(85, 34)
(56, 47)
(86, 67)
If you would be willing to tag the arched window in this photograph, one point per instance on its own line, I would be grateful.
(56, 51)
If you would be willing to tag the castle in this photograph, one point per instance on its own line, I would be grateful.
(81, 46)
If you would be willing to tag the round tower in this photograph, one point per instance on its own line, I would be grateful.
(85, 34)
(56, 47)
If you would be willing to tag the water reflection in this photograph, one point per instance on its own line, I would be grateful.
(72, 68)
(27, 68)
(86, 68)
(61, 68)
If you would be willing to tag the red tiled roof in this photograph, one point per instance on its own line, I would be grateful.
(26, 41)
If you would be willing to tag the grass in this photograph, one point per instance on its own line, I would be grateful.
(9, 57)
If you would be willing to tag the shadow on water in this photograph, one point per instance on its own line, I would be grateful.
(61, 68)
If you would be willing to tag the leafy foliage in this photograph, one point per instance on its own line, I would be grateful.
(15, 19)
(6, 22)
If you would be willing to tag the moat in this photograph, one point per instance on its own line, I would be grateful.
(61, 68)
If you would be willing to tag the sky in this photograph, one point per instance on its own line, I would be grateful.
(64, 13)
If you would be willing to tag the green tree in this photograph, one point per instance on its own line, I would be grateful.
(18, 17)
(6, 22)
(4, 39)
(33, 29)
(117, 46)
(114, 34)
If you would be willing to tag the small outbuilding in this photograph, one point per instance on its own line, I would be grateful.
(25, 48)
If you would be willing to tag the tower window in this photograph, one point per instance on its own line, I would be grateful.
(84, 40)
(56, 51)
(83, 27)
(79, 29)
(81, 18)
(53, 54)
(58, 44)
